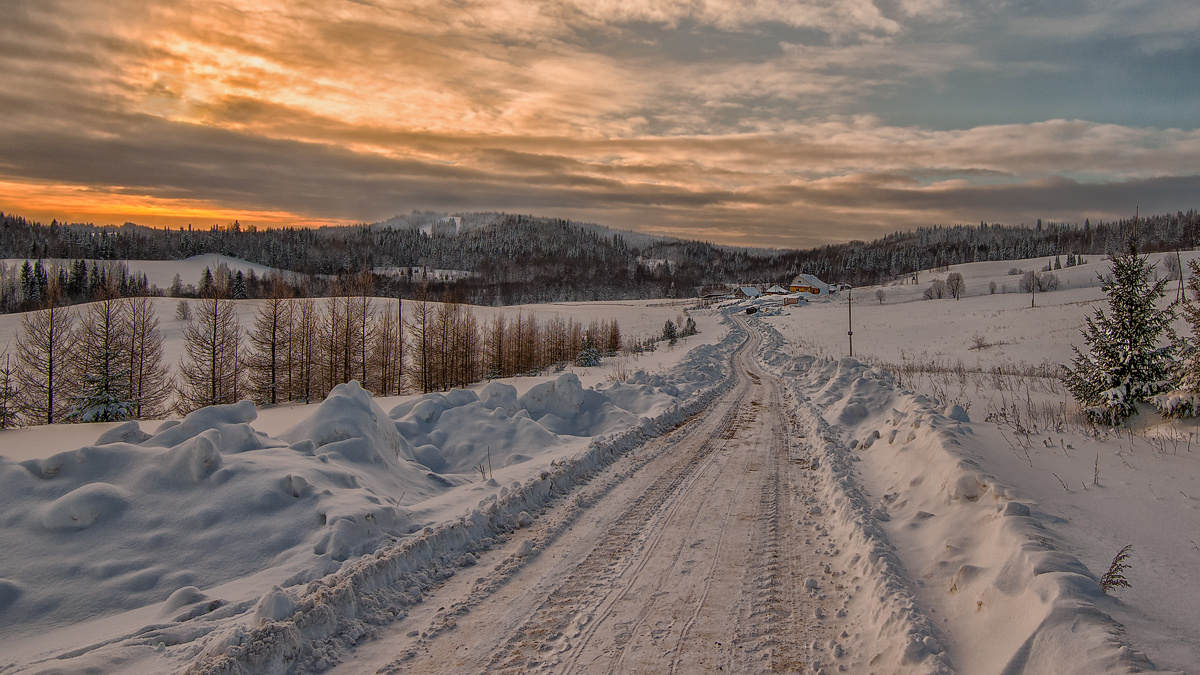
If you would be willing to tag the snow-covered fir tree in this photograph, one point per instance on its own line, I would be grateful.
(1130, 349)
(1184, 399)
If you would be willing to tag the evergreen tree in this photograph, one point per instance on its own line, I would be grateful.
(669, 332)
(239, 286)
(1184, 399)
(8, 393)
(103, 362)
(1124, 363)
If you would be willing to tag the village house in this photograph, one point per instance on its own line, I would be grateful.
(746, 293)
(807, 283)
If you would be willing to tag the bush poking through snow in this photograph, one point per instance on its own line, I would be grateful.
(1115, 576)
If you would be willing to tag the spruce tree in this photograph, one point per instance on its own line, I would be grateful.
(1129, 357)
(103, 362)
(8, 392)
(1184, 399)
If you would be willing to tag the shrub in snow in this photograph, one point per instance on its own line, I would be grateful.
(1115, 576)
(1124, 363)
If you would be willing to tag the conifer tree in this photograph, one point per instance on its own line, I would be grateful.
(103, 362)
(1129, 349)
(1184, 399)
(8, 392)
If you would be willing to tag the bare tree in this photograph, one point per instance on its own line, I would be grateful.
(306, 349)
(210, 370)
(45, 354)
(956, 285)
(494, 348)
(420, 330)
(388, 348)
(266, 360)
(880, 295)
(330, 342)
(149, 379)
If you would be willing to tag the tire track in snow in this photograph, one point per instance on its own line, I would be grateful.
(566, 608)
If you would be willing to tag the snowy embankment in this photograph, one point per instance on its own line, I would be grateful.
(965, 559)
(1094, 490)
(234, 550)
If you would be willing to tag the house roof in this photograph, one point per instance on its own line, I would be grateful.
(749, 291)
(777, 289)
(808, 280)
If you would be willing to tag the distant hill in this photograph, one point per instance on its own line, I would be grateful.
(521, 258)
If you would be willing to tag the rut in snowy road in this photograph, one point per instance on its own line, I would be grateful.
(687, 556)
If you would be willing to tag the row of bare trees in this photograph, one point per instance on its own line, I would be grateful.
(106, 363)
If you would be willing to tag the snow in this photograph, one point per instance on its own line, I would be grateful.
(203, 517)
(964, 513)
(956, 493)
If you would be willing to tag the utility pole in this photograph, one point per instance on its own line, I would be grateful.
(850, 318)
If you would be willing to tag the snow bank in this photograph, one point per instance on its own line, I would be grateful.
(963, 569)
(217, 531)
(333, 613)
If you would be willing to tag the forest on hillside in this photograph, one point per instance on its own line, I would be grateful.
(514, 259)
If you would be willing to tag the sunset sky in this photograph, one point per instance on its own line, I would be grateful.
(757, 122)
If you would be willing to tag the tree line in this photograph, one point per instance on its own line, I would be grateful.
(104, 361)
(515, 259)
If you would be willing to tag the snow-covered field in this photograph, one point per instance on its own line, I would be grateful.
(958, 516)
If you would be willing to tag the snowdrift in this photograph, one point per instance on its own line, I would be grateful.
(962, 569)
(250, 551)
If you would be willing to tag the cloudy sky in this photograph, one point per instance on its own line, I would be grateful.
(756, 122)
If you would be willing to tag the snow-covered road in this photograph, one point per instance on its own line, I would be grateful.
(684, 556)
